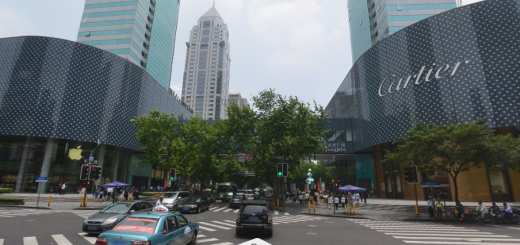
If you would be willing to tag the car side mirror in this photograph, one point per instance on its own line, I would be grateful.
(163, 231)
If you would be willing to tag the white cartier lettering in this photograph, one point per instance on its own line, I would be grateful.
(387, 85)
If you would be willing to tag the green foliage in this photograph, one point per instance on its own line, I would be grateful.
(454, 148)
(318, 171)
(6, 190)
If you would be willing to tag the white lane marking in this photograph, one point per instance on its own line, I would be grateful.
(467, 239)
(419, 229)
(211, 208)
(401, 225)
(200, 235)
(207, 240)
(1, 241)
(448, 235)
(514, 228)
(276, 213)
(218, 209)
(61, 240)
(230, 221)
(209, 224)
(227, 210)
(222, 223)
(457, 243)
(286, 213)
(91, 240)
(30, 240)
(440, 232)
(206, 228)
(236, 211)
(293, 220)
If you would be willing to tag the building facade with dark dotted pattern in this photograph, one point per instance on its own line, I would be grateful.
(457, 66)
(57, 95)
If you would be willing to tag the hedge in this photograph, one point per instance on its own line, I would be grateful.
(6, 190)
(11, 200)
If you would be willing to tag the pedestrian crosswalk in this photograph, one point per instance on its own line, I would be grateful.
(60, 239)
(212, 226)
(295, 218)
(433, 233)
(232, 210)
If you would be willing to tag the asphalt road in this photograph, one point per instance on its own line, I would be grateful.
(51, 227)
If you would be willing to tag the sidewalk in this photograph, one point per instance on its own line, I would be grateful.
(59, 202)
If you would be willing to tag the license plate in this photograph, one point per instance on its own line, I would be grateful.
(185, 209)
(253, 218)
(91, 228)
(119, 243)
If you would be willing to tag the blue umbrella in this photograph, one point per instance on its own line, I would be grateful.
(115, 184)
(351, 188)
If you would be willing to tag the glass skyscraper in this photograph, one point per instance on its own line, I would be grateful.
(205, 87)
(371, 21)
(142, 31)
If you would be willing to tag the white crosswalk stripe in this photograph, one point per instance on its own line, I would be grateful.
(222, 223)
(294, 219)
(286, 213)
(30, 240)
(207, 240)
(1, 241)
(434, 233)
(213, 225)
(91, 240)
(28, 211)
(61, 240)
(276, 213)
(206, 228)
(236, 211)
(219, 209)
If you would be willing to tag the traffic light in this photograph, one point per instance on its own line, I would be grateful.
(336, 185)
(285, 170)
(85, 171)
(95, 173)
(410, 174)
(279, 168)
(172, 174)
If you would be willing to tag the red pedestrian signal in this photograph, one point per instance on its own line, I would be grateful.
(336, 184)
(85, 172)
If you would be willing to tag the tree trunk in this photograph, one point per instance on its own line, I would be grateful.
(456, 186)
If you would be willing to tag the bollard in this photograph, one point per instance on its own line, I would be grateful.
(354, 207)
(49, 201)
(348, 208)
(81, 202)
(417, 210)
(277, 204)
(85, 201)
(309, 202)
(314, 206)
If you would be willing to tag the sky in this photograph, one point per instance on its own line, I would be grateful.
(297, 47)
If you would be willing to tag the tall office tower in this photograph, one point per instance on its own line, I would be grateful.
(142, 31)
(237, 99)
(371, 21)
(205, 87)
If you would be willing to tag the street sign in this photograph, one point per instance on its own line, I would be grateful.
(433, 184)
(241, 173)
(91, 159)
(249, 157)
(241, 157)
(41, 179)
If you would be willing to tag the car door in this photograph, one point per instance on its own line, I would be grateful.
(184, 228)
(173, 235)
(184, 196)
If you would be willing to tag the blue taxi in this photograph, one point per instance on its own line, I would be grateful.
(151, 228)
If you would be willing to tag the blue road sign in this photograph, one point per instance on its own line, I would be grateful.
(241, 173)
(41, 179)
(91, 159)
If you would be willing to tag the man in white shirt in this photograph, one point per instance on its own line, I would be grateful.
(306, 197)
(159, 202)
(481, 209)
(330, 200)
(336, 202)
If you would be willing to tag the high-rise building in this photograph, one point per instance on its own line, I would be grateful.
(237, 99)
(371, 21)
(205, 87)
(142, 31)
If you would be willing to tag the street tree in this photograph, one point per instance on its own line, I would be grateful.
(454, 148)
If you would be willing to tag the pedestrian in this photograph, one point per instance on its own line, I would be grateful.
(135, 194)
(159, 202)
(325, 200)
(365, 194)
(330, 201)
(306, 197)
(357, 197)
(317, 198)
(125, 194)
(336, 202)
(63, 188)
(96, 195)
(301, 199)
(431, 203)
(58, 188)
(80, 190)
(294, 199)
(439, 205)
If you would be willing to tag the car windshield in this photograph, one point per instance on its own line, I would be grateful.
(249, 192)
(193, 199)
(170, 194)
(139, 225)
(254, 209)
(240, 193)
(117, 208)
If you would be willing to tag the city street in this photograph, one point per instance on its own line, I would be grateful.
(42, 226)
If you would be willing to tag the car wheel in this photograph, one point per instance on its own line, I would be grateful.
(193, 240)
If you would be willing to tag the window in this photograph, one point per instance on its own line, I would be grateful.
(172, 224)
(499, 182)
(182, 221)
(399, 8)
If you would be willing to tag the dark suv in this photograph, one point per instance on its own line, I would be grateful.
(254, 215)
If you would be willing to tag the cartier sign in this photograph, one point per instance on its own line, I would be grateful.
(393, 84)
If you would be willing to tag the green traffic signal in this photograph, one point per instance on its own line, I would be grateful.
(171, 178)
(279, 173)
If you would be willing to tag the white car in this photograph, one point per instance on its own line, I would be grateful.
(172, 200)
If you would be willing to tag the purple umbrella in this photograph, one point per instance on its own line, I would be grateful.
(351, 188)
(115, 184)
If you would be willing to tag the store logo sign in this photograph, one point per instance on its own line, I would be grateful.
(392, 84)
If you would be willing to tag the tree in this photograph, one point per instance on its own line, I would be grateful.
(281, 129)
(454, 148)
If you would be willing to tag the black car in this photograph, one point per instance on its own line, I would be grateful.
(254, 215)
(194, 204)
(110, 216)
(236, 201)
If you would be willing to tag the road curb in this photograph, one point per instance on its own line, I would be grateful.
(21, 206)
(336, 216)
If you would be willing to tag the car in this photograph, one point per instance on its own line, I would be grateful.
(256, 195)
(226, 197)
(194, 204)
(249, 194)
(254, 215)
(173, 199)
(268, 194)
(107, 218)
(236, 201)
(151, 228)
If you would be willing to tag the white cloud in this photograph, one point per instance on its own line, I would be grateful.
(14, 23)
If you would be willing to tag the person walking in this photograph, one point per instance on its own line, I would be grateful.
(317, 198)
(357, 197)
(301, 199)
(431, 204)
(135, 194)
(125, 194)
(439, 206)
(365, 194)
(58, 188)
(336, 202)
(63, 188)
(159, 202)
(330, 201)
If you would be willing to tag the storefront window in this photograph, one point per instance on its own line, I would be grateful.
(499, 182)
